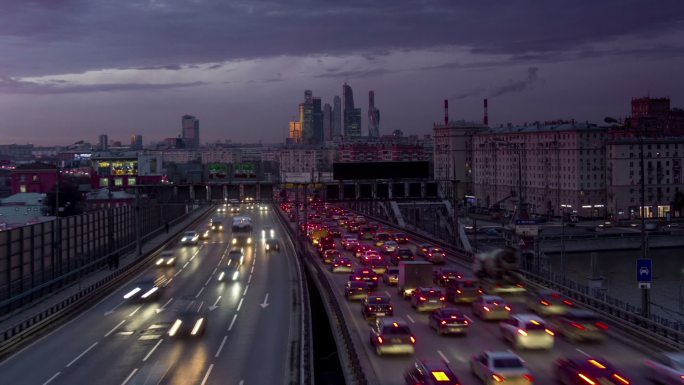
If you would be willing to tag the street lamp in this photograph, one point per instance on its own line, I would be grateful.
(562, 256)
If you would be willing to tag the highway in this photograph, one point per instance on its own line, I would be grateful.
(458, 350)
(118, 342)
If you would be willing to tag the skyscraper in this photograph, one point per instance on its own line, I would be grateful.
(190, 132)
(337, 117)
(311, 119)
(317, 121)
(352, 116)
(104, 143)
(327, 122)
(373, 117)
(136, 142)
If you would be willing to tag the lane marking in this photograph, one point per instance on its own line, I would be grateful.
(240, 304)
(190, 305)
(199, 292)
(153, 349)
(135, 311)
(388, 294)
(245, 292)
(200, 306)
(206, 376)
(208, 279)
(221, 346)
(81, 355)
(443, 356)
(410, 319)
(470, 320)
(216, 302)
(168, 282)
(232, 322)
(129, 376)
(214, 272)
(242, 382)
(252, 271)
(161, 309)
(114, 328)
(583, 352)
(52, 378)
(178, 272)
(114, 308)
(186, 265)
(250, 278)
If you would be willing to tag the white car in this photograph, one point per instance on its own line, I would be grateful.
(666, 368)
(190, 238)
(527, 331)
(491, 307)
(263, 208)
(497, 367)
(166, 258)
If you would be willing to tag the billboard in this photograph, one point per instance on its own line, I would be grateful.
(244, 170)
(381, 170)
(218, 171)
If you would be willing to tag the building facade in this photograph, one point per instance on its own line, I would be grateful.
(373, 116)
(122, 170)
(351, 115)
(38, 178)
(337, 117)
(190, 131)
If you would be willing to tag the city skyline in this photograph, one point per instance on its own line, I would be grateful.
(87, 80)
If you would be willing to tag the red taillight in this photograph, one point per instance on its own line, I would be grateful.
(443, 322)
(458, 291)
(375, 278)
(413, 339)
(576, 325)
(422, 298)
(498, 378)
(442, 299)
(569, 303)
(601, 325)
(620, 378)
(444, 277)
(508, 308)
(480, 291)
(485, 308)
(549, 332)
(370, 308)
(522, 332)
(545, 303)
(586, 379)
(529, 377)
(380, 340)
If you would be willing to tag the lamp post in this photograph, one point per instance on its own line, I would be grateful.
(562, 256)
(645, 293)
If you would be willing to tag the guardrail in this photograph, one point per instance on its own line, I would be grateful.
(664, 335)
(22, 331)
(354, 370)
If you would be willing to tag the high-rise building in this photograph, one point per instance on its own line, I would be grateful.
(104, 143)
(311, 119)
(373, 117)
(352, 116)
(337, 117)
(327, 122)
(190, 133)
(296, 132)
(136, 142)
(317, 116)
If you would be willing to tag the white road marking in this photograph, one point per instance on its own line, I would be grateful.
(245, 292)
(178, 272)
(410, 319)
(161, 309)
(129, 376)
(114, 308)
(443, 356)
(81, 355)
(114, 328)
(196, 252)
(217, 300)
(153, 349)
(190, 305)
(206, 283)
(240, 304)
(583, 352)
(242, 382)
(388, 294)
(186, 265)
(206, 376)
(199, 292)
(214, 272)
(470, 320)
(52, 378)
(250, 278)
(252, 271)
(232, 322)
(221, 346)
(168, 282)
(200, 306)
(135, 311)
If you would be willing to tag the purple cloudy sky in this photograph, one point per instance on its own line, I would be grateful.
(73, 69)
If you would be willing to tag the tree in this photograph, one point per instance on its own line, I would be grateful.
(69, 200)
(678, 202)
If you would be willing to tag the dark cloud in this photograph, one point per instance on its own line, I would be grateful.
(354, 74)
(467, 93)
(52, 37)
(170, 67)
(517, 85)
(10, 85)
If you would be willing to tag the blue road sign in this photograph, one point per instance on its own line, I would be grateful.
(644, 270)
(526, 222)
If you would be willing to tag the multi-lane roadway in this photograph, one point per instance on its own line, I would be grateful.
(250, 325)
(458, 350)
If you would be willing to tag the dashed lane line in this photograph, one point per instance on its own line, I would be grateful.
(129, 376)
(443, 356)
(240, 304)
(206, 376)
(221, 346)
(199, 292)
(153, 349)
(81, 355)
(114, 328)
(232, 322)
(52, 378)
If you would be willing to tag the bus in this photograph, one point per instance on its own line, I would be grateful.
(242, 231)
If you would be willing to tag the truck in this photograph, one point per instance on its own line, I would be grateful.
(242, 231)
(500, 271)
(412, 275)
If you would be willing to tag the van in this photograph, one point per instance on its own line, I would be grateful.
(463, 290)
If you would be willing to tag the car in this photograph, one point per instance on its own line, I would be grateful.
(356, 290)
(230, 272)
(392, 335)
(350, 242)
(263, 207)
(401, 238)
(147, 288)
(361, 249)
(527, 331)
(430, 373)
(463, 290)
(367, 233)
(190, 238)
(205, 233)
(548, 303)
(341, 265)
(376, 305)
(272, 245)
(427, 298)
(673, 225)
(666, 368)
(378, 265)
(188, 324)
(369, 256)
(390, 247)
(435, 255)
(365, 275)
(234, 209)
(216, 225)
(166, 258)
(236, 254)
(580, 325)
(442, 276)
(391, 276)
(402, 254)
(491, 307)
(381, 238)
(334, 232)
(587, 370)
(449, 320)
(267, 232)
(221, 209)
(422, 249)
(493, 367)
(329, 255)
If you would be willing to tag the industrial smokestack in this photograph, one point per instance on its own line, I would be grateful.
(486, 114)
(446, 112)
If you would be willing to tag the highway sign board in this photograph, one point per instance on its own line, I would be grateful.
(644, 269)
(525, 222)
(527, 231)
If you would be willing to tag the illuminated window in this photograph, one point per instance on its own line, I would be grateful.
(104, 182)
(22, 188)
(131, 181)
(118, 181)
(35, 177)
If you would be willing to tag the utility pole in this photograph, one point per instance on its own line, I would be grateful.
(645, 293)
(138, 243)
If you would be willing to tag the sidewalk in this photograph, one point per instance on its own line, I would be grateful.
(29, 310)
